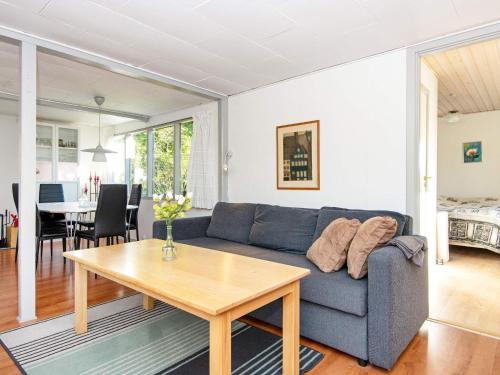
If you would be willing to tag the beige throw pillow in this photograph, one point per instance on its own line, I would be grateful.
(329, 251)
(373, 233)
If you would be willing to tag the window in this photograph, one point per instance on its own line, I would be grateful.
(163, 145)
(116, 161)
(158, 158)
(186, 135)
(136, 162)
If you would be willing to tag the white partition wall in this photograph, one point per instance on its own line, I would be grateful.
(27, 189)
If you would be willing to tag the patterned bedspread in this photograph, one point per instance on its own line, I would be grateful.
(473, 222)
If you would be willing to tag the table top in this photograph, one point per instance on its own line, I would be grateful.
(71, 207)
(206, 280)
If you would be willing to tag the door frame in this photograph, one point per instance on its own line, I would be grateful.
(413, 59)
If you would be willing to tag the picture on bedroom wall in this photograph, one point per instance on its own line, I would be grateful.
(297, 156)
(473, 152)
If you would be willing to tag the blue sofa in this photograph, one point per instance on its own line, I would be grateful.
(373, 319)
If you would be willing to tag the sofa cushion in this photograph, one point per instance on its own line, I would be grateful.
(373, 233)
(336, 290)
(284, 228)
(329, 251)
(232, 221)
(328, 214)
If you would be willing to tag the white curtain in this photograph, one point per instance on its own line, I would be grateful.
(202, 171)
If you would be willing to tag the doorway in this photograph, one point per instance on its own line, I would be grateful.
(459, 193)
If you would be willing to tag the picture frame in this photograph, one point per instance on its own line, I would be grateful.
(298, 156)
(473, 152)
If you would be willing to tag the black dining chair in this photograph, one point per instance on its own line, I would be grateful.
(46, 232)
(51, 193)
(15, 196)
(110, 216)
(133, 214)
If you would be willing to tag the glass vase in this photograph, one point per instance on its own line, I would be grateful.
(168, 249)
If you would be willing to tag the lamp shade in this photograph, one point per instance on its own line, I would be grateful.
(452, 117)
(99, 151)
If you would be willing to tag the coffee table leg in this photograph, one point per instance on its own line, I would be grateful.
(148, 302)
(220, 345)
(291, 330)
(80, 299)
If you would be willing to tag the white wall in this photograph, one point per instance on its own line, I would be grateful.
(456, 178)
(361, 107)
(9, 160)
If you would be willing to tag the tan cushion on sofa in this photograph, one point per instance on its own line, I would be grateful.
(371, 234)
(329, 251)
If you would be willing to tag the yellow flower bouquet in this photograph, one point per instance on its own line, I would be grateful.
(169, 207)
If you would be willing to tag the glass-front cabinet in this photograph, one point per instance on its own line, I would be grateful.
(57, 157)
(67, 154)
(44, 153)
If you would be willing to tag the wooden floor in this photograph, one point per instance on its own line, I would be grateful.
(465, 290)
(437, 349)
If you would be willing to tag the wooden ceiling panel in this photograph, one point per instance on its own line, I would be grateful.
(468, 77)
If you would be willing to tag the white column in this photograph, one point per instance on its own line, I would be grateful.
(27, 188)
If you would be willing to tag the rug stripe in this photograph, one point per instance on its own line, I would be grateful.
(272, 347)
(134, 341)
(169, 357)
(181, 353)
(202, 352)
(128, 358)
(76, 340)
(275, 363)
(268, 355)
(68, 336)
(117, 319)
(309, 364)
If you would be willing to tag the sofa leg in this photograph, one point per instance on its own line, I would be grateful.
(362, 362)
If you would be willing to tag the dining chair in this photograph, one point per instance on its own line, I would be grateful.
(46, 232)
(51, 193)
(133, 214)
(15, 196)
(110, 216)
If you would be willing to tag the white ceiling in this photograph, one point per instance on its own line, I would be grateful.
(231, 46)
(73, 82)
(468, 77)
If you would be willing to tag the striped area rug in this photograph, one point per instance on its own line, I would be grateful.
(123, 338)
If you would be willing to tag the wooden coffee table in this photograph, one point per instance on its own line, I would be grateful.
(213, 285)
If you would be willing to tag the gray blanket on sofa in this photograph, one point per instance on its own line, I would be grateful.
(412, 247)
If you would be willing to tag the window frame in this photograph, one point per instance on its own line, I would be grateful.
(177, 125)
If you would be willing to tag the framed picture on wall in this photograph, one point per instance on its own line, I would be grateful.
(473, 152)
(297, 156)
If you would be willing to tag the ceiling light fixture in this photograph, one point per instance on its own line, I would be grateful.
(452, 117)
(99, 151)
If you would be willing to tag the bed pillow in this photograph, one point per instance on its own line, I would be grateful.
(373, 233)
(329, 251)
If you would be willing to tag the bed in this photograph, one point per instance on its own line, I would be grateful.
(473, 222)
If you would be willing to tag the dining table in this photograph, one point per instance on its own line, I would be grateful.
(72, 212)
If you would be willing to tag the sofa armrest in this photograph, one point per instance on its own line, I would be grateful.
(183, 229)
(398, 304)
